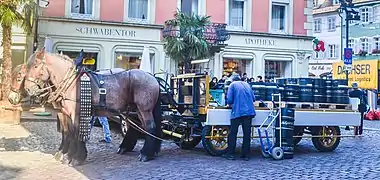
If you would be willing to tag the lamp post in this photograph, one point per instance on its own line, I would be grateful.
(351, 15)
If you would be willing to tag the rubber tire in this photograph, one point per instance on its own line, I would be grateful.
(320, 147)
(189, 144)
(298, 132)
(207, 145)
(277, 153)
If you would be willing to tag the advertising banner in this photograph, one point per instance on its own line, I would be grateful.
(365, 73)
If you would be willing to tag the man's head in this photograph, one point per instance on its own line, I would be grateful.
(259, 78)
(224, 77)
(245, 75)
(355, 85)
(235, 77)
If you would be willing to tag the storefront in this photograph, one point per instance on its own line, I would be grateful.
(111, 44)
(267, 55)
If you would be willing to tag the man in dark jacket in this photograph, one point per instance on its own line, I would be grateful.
(357, 93)
(241, 97)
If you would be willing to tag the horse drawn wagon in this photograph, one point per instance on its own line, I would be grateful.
(189, 117)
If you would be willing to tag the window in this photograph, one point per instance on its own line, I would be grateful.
(336, 2)
(278, 18)
(82, 8)
(332, 51)
(235, 66)
(315, 3)
(376, 41)
(351, 43)
(138, 11)
(331, 23)
(364, 15)
(129, 61)
(364, 44)
(277, 69)
(236, 14)
(190, 6)
(86, 55)
(317, 25)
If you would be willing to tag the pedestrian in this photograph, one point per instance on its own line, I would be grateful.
(259, 79)
(106, 128)
(241, 97)
(214, 83)
(251, 80)
(222, 81)
(358, 93)
(244, 78)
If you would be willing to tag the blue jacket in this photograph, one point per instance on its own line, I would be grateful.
(242, 98)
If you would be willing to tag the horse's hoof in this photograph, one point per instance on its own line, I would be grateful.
(65, 159)
(121, 151)
(58, 156)
(75, 162)
(144, 158)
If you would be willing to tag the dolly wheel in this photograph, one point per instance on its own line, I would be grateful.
(277, 153)
(265, 153)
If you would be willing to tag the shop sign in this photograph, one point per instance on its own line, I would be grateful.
(106, 32)
(261, 42)
(365, 73)
(326, 68)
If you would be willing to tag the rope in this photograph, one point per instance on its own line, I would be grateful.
(145, 132)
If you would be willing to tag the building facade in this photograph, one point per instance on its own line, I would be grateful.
(271, 38)
(327, 29)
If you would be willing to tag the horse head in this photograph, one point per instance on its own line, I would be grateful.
(43, 68)
(17, 84)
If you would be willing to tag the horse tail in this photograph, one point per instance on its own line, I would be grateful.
(157, 119)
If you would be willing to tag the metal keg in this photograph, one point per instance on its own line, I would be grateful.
(329, 95)
(319, 90)
(306, 89)
(259, 90)
(287, 132)
(281, 83)
(291, 90)
(340, 91)
(271, 88)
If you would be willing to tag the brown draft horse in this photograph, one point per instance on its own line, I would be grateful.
(133, 88)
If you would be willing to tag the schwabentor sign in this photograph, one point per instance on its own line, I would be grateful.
(106, 31)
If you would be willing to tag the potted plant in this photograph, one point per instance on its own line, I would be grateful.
(376, 51)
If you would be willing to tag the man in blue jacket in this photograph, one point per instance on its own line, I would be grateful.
(241, 97)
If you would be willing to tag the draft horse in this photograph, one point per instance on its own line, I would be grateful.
(124, 89)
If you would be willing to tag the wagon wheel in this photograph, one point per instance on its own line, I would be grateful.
(327, 143)
(298, 131)
(190, 142)
(214, 139)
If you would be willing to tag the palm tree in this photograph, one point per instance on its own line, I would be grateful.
(13, 12)
(186, 41)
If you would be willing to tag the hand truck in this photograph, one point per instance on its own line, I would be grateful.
(268, 149)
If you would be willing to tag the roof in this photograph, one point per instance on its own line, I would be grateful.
(328, 7)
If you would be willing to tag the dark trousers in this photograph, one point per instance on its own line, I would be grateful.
(246, 122)
(359, 130)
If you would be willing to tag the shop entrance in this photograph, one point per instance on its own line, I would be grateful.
(277, 69)
(239, 66)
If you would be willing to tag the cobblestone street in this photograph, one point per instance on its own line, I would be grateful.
(26, 152)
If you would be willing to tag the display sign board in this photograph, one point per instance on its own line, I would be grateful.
(347, 58)
(365, 73)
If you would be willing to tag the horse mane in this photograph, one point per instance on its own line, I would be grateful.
(32, 58)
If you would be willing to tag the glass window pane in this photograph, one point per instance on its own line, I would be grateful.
(278, 17)
(236, 13)
(127, 60)
(138, 9)
(87, 55)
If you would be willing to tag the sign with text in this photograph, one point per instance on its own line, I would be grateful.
(261, 42)
(365, 73)
(106, 31)
(347, 60)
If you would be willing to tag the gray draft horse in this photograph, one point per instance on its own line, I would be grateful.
(133, 88)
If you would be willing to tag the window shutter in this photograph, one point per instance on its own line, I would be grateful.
(337, 50)
(370, 14)
(370, 41)
(357, 45)
(376, 13)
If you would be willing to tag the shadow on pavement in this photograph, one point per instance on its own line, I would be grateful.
(8, 172)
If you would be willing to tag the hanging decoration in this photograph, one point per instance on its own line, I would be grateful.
(319, 45)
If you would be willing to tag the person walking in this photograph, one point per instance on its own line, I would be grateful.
(241, 97)
(358, 93)
(106, 128)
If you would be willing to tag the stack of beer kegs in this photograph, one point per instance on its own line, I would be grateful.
(319, 88)
(271, 88)
(329, 94)
(281, 83)
(340, 91)
(259, 90)
(306, 89)
(291, 90)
